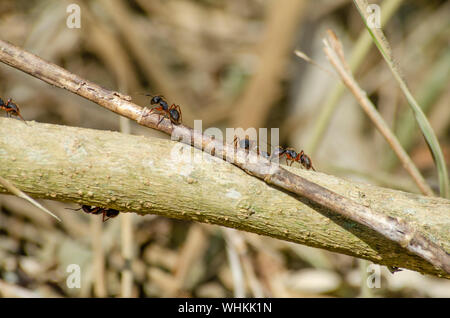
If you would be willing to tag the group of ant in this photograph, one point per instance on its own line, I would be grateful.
(290, 154)
(173, 113)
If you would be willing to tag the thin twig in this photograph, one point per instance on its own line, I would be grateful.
(14, 190)
(358, 55)
(394, 229)
(333, 51)
(239, 245)
(424, 125)
(126, 226)
(193, 249)
(235, 264)
(98, 257)
(126, 229)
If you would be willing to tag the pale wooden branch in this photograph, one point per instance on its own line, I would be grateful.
(137, 174)
(395, 229)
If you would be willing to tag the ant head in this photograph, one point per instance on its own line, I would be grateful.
(155, 100)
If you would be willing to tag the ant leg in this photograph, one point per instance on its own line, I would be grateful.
(181, 115)
(152, 111)
(74, 209)
(156, 109)
(298, 159)
(145, 113)
(22, 119)
(160, 120)
(105, 213)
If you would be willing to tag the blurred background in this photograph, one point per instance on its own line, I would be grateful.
(230, 63)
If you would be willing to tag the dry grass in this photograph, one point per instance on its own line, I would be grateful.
(202, 55)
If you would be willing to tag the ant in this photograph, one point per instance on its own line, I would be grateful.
(109, 213)
(243, 143)
(248, 144)
(173, 112)
(292, 155)
(11, 109)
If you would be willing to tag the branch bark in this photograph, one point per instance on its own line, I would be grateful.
(137, 174)
(395, 229)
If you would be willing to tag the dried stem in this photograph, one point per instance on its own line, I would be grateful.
(126, 234)
(99, 258)
(11, 188)
(235, 265)
(333, 50)
(395, 229)
(358, 55)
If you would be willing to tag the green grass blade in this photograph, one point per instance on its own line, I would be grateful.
(432, 88)
(430, 137)
(359, 53)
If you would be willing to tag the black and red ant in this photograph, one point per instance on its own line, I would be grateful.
(290, 153)
(108, 213)
(292, 156)
(173, 112)
(248, 145)
(11, 108)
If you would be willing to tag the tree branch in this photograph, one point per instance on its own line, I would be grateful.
(395, 229)
(132, 173)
